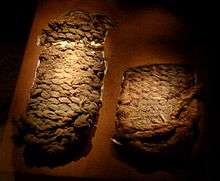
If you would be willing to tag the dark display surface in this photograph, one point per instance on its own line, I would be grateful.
(151, 35)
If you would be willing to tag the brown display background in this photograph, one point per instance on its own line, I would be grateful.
(149, 35)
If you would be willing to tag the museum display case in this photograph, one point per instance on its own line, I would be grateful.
(107, 91)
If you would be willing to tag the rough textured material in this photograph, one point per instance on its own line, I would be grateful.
(66, 95)
(158, 108)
